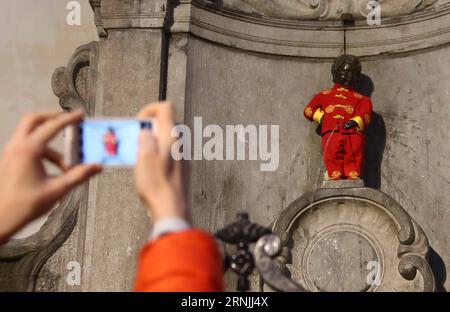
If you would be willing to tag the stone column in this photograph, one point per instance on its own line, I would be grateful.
(129, 77)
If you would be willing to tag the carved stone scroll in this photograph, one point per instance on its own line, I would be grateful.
(74, 84)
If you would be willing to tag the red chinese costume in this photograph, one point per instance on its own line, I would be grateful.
(111, 143)
(344, 115)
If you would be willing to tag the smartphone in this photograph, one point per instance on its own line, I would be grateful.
(109, 142)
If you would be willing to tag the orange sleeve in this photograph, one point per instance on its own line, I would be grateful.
(187, 261)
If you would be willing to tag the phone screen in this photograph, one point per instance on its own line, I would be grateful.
(110, 142)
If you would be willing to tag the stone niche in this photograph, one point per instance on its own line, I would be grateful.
(244, 62)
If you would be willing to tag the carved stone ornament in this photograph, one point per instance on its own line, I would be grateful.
(352, 239)
(122, 14)
(96, 6)
(75, 83)
(22, 259)
(326, 9)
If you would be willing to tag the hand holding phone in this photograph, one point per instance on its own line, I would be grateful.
(160, 180)
(27, 189)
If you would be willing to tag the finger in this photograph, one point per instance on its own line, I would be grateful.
(60, 185)
(30, 121)
(55, 158)
(50, 129)
(163, 113)
(152, 110)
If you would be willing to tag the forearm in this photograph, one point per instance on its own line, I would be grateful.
(167, 203)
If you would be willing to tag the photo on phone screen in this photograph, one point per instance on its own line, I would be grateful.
(110, 142)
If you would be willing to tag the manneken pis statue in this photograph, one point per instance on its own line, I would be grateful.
(344, 115)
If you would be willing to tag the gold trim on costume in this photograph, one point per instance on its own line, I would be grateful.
(336, 175)
(360, 122)
(357, 95)
(326, 92)
(348, 108)
(329, 109)
(338, 117)
(367, 118)
(353, 175)
(308, 112)
(342, 89)
(318, 115)
(341, 96)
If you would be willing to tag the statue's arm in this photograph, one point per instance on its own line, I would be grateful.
(313, 111)
(363, 115)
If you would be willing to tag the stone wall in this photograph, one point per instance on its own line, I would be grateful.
(408, 136)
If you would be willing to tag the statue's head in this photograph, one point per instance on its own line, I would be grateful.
(346, 70)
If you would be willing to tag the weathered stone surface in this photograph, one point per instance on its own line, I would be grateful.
(120, 14)
(338, 259)
(177, 73)
(343, 184)
(326, 9)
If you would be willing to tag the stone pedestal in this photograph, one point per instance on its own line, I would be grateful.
(340, 184)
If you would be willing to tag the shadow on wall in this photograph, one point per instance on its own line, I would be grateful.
(375, 145)
(439, 271)
(375, 139)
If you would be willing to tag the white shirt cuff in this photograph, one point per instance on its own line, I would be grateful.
(168, 225)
